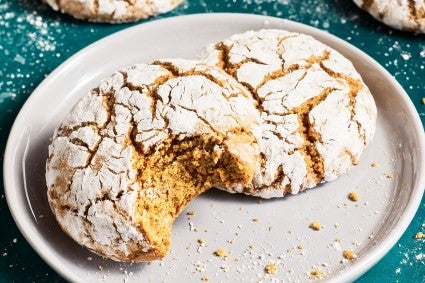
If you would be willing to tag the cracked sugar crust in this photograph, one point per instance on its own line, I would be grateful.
(408, 15)
(134, 151)
(317, 113)
(113, 11)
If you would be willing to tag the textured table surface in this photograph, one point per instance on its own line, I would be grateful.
(34, 40)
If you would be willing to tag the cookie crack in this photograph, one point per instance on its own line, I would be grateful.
(415, 14)
(65, 131)
(192, 72)
(313, 158)
(355, 86)
(367, 4)
(205, 121)
(96, 7)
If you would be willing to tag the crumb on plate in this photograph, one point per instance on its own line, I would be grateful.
(220, 252)
(271, 268)
(353, 196)
(315, 225)
(349, 254)
(316, 273)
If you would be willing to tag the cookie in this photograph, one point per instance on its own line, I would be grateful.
(113, 11)
(402, 15)
(317, 113)
(137, 149)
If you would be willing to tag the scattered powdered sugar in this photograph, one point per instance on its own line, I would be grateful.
(28, 43)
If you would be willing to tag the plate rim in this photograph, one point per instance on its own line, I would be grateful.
(354, 272)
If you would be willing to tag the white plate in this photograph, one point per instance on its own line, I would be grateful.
(370, 227)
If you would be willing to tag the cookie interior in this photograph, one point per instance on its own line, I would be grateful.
(174, 175)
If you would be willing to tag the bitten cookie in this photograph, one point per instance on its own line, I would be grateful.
(113, 11)
(136, 150)
(404, 15)
(317, 113)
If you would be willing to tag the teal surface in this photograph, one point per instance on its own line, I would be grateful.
(34, 40)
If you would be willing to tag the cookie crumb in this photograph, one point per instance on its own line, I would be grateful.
(389, 175)
(419, 235)
(300, 247)
(423, 100)
(316, 273)
(315, 226)
(349, 254)
(271, 268)
(205, 278)
(201, 241)
(220, 252)
(255, 219)
(353, 196)
(374, 164)
(192, 212)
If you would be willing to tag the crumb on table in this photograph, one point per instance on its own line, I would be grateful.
(419, 235)
(201, 241)
(205, 278)
(192, 212)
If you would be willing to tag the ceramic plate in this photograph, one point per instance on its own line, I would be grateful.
(254, 233)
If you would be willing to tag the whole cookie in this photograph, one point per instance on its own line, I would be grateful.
(317, 113)
(113, 11)
(404, 15)
(134, 151)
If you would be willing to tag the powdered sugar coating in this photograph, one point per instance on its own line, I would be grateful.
(113, 10)
(317, 113)
(91, 172)
(403, 15)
